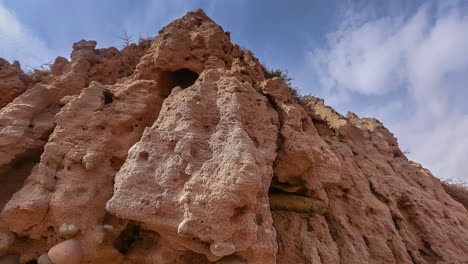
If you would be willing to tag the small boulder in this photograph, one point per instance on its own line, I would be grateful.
(6, 240)
(68, 230)
(108, 228)
(44, 259)
(66, 252)
(222, 249)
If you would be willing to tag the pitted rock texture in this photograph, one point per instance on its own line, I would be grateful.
(13, 81)
(178, 150)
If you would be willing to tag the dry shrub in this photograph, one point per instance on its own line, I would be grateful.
(458, 190)
(284, 76)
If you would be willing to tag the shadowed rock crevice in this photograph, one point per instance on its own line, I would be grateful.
(12, 178)
(322, 128)
(128, 237)
(284, 201)
(167, 80)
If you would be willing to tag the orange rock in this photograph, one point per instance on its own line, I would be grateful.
(167, 151)
(66, 252)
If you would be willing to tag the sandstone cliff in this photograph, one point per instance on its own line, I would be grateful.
(181, 151)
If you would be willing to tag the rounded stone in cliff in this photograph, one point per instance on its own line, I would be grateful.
(108, 228)
(68, 230)
(44, 259)
(222, 249)
(183, 229)
(66, 252)
(6, 240)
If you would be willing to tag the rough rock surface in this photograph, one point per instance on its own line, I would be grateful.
(182, 152)
(13, 81)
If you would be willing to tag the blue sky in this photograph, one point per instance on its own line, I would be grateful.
(404, 62)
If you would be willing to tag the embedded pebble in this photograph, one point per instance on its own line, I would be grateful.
(222, 249)
(44, 259)
(183, 228)
(66, 252)
(6, 240)
(108, 228)
(68, 230)
(184, 199)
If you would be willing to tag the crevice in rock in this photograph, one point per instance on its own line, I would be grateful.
(275, 185)
(322, 128)
(116, 163)
(378, 195)
(412, 257)
(167, 80)
(108, 97)
(395, 222)
(366, 241)
(280, 138)
(333, 233)
(428, 254)
(13, 177)
(284, 201)
(127, 237)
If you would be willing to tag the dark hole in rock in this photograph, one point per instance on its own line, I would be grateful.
(412, 257)
(116, 163)
(108, 97)
(366, 240)
(427, 245)
(170, 79)
(258, 219)
(143, 155)
(238, 212)
(127, 237)
(12, 178)
(378, 195)
(424, 253)
(395, 221)
(322, 128)
(185, 78)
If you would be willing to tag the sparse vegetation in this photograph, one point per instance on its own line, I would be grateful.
(284, 76)
(127, 39)
(458, 190)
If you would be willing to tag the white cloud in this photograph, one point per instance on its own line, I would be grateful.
(17, 42)
(418, 60)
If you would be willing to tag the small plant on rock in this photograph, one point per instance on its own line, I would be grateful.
(284, 76)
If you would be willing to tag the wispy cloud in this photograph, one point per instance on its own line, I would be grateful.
(156, 14)
(419, 58)
(17, 42)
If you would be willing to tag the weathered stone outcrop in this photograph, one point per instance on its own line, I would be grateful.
(180, 151)
(13, 81)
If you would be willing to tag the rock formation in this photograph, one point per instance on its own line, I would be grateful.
(181, 151)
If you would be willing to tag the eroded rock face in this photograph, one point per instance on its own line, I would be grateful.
(182, 152)
(13, 81)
